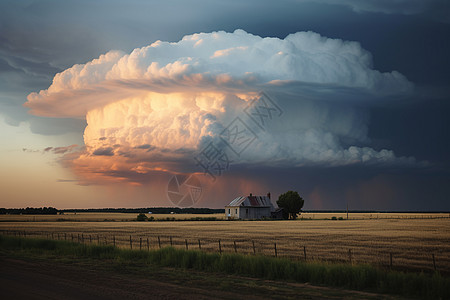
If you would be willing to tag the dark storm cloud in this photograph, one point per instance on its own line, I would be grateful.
(109, 151)
(364, 188)
(145, 146)
(435, 9)
(61, 150)
(26, 66)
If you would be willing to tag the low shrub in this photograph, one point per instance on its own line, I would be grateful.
(141, 217)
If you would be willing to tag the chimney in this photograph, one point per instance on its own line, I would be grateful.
(268, 195)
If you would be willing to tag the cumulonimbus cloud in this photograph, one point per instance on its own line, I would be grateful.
(154, 108)
(214, 61)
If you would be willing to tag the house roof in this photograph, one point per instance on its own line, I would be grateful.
(255, 201)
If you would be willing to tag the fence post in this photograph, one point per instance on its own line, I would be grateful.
(82, 238)
(171, 244)
(140, 243)
(304, 252)
(159, 242)
(71, 235)
(254, 249)
(199, 245)
(186, 244)
(390, 260)
(131, 243)
(106, 242)
(220, 248)
(235, 249)
(434, 262)
(276, 253)
(98, 239)
(350, 255)
(65, 236)
(114, 240)
(148, 245)
(90, 239)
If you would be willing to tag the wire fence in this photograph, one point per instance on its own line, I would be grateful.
(398, 260)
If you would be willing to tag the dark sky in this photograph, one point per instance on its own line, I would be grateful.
(41, 38)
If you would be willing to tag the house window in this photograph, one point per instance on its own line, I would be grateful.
(236, 210)
(229, 211)
(246, 211)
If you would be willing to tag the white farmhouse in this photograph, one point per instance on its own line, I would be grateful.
(249, 207)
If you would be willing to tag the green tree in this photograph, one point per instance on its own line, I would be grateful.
(291, 202)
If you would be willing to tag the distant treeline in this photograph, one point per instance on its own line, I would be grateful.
(379, 211)
(154, 210)
(29, 211)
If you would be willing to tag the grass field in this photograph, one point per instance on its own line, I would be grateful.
(410, 242)
(276, 272)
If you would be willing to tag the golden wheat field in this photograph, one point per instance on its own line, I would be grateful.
(408, 241)
(113, 216)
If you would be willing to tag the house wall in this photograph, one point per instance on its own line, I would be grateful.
(232, 212)
(247, 212)
(254, 212)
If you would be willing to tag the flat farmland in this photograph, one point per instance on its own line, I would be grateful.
(113, 216)
(100, 217)
(410, 243)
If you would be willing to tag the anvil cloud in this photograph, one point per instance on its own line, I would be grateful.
(214, 61)
(152, 109)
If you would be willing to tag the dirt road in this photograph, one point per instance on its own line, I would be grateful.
(21, 279)
(44, 279)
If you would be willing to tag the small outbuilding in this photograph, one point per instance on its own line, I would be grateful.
(249, 207)
(279, 214)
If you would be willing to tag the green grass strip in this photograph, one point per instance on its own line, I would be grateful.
(357, 277)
